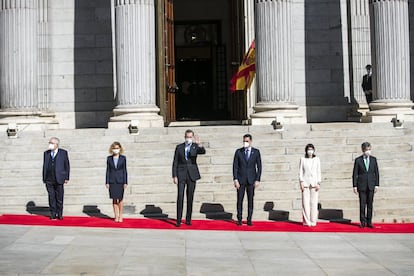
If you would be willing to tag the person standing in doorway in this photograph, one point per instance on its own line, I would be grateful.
(247, 170)
(310, 180)
(185, 173)
(365, 180)
(116, 178)
(56, 171)
(367, 84)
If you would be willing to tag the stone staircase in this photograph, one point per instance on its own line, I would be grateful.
(149, 160)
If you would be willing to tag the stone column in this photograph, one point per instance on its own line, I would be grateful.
(360, 49)
(391, 61)
(23, 66)
(18, 56)
(249, 37)
(135, 64)
(274, 63)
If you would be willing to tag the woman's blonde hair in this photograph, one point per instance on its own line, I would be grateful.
(121, 149)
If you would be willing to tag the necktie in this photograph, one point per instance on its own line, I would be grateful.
(187, 152)
(53, 155)
(246, 154)
(366, 161)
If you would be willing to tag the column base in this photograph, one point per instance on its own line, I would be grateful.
(146, 117)
(385, 112)
(269, 114)
(28, 120)
(358, 112)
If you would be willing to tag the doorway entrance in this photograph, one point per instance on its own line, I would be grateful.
(200, 71)
(204, 45)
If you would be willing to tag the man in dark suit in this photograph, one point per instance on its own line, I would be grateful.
(185, 172)
(247, 170)
(365, 180)
(367, 84)
(55, 174)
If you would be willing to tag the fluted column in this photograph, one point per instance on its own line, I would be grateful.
(18, 55)
(135, 64)
(361, 47)
(249, 37)
(274, 61)
(44, 57)
(391, 60)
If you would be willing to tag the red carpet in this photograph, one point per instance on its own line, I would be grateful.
(219, 225)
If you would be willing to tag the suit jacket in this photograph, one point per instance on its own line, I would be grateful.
(310, 171)
(118, 174)
(181, 166)
(62, 167)
(363, 179)
(367, 82)
(247, 172)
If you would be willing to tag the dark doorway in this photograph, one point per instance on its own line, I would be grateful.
(197, 45)
(203, 46)
(201, 73)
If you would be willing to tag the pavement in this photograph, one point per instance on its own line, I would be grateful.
(41, 250)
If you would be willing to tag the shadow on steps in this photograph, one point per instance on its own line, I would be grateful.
(215, 211)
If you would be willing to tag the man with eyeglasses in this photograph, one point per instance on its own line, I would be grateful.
(56, 170)
(365, 180)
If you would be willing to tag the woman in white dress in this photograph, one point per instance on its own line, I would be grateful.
(310, 179)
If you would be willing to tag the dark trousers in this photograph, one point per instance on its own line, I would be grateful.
(55, 192)
(182, 183)
(368, 97)
(366, 200)
(249, 189)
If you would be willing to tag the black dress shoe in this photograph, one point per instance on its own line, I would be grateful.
(178, 224)
(60, 217)
(188, 222)
(239, 222)
(370, 225)
(362, 225)
(249, 223)
(52, 217)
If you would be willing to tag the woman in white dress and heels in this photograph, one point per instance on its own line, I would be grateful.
(310, 179)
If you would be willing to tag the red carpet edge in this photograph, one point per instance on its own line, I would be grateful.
(215, 225)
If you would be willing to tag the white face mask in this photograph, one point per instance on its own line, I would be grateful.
(51, 146)
(310, 152)
(246, 144)
(115, 151)
(188, 141)
(367, 153)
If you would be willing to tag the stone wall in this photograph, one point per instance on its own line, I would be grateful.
(327, 77)
(76, 61)
(82, 91)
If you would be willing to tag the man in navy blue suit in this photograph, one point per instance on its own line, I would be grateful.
(365, 180)
(247, 170)
(56, 170)
(185, 172)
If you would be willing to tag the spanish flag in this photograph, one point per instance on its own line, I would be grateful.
(245, 75)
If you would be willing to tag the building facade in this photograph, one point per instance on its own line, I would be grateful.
(99, 63)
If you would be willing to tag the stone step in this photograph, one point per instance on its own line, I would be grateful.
(300, 131)
(382, 212)
(150, 158)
